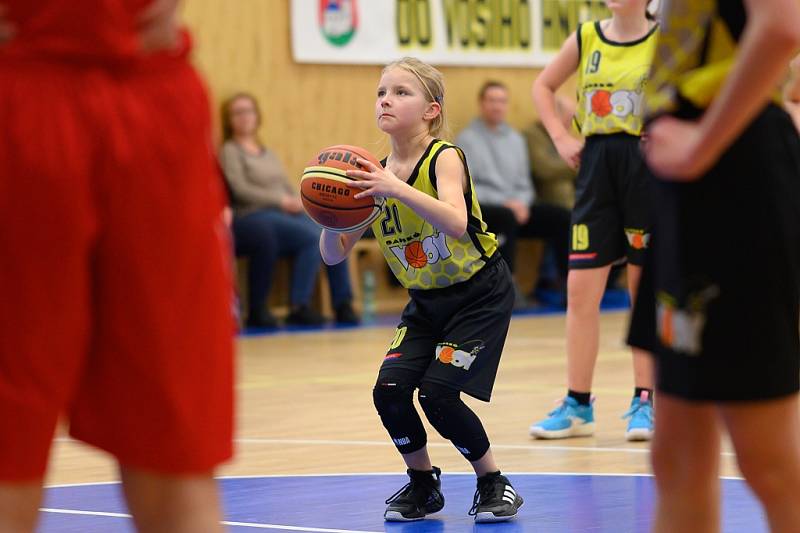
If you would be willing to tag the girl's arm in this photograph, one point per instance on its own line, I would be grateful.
(563, 65)
(334, 247)
(448, 213)
(681, 150)
(792, 90)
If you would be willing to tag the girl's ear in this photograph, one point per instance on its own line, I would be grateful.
(433, 110)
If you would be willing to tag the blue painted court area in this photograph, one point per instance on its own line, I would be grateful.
(554, 503)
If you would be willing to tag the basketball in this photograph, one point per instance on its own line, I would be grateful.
(415, 255)
(326, 195)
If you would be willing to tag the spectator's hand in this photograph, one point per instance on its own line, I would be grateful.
(159, 26)
(569, 148)
(520, 210)
(291, 204)
(674, 150)
(6, 28)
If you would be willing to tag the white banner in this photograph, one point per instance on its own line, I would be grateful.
(511, 33)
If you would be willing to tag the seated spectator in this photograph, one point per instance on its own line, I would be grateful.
(554, 183)
(269, 222)
(553, 179)
(498, 163)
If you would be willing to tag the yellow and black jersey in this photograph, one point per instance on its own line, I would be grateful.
(611, 80)
(421, 256)
(695, 52)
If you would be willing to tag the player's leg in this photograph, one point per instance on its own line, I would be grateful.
(574, 416)
(157, 389)
(407, 358)
(467, 358)
(596, 242)
(19, 506)
(640, 414)
(47, 226)
(685, 458)
(766, 436)
(635, 197)
(172, 504)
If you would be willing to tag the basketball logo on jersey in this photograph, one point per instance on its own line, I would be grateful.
(419, 254)
(459, 356)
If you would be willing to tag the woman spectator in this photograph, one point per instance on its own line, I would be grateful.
(269, 222)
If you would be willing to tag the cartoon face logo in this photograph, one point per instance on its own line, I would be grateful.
(460, 356)
(618, 103)
(681, 327)
(637, 239)
(418, 254)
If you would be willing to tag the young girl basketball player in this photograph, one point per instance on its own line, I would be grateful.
(728, 213)
(452, 332)
(609, 220)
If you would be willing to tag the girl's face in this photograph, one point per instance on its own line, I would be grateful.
(402, 102)
(625, 7)
(243, 116)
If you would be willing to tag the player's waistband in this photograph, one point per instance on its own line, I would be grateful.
(491, 265)
(617, 136)
(17, 54)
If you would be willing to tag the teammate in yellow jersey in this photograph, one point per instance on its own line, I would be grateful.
(452, 332)
(727, 348)
(610, 219)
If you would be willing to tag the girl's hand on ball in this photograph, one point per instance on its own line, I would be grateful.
(375, 181)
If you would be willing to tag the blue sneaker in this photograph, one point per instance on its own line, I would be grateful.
(570, 419)
(641, 419)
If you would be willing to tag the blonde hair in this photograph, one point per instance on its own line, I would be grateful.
(433, 82)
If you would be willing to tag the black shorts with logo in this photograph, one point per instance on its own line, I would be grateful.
(455, 335)
(610, 220)
(718, 300)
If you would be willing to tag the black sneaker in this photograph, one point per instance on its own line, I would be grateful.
(495, 499)
(345, 314)
(422, 495)
(305, 316)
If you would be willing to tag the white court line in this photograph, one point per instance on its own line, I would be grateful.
(225, 523)
(296, 528)
(362, 474)
(84, 513)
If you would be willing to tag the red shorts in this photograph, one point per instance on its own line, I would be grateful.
(115, 275)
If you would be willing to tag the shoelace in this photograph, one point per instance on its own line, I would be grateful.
(397, 494)
(645, 406)
(563, 406)
(560, 409)
(481, 495)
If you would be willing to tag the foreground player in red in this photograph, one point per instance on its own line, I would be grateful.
(115, 282)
